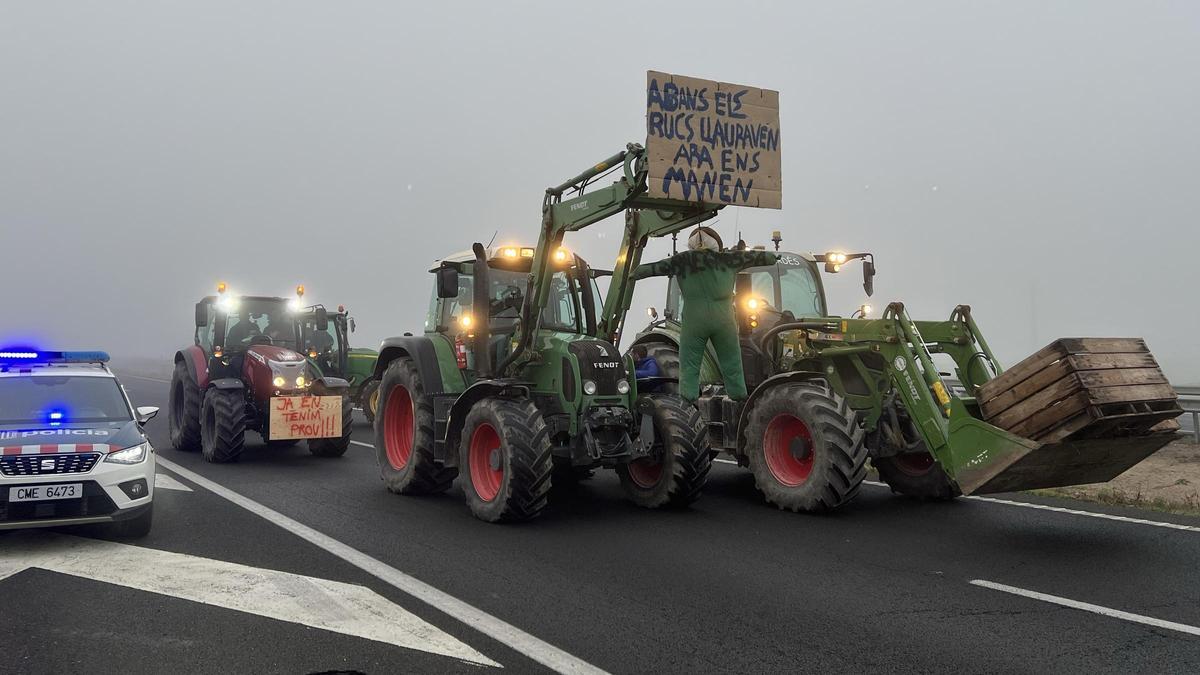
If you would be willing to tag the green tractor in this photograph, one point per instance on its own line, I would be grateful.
(330, 353)
(828, 393)
(513, 384)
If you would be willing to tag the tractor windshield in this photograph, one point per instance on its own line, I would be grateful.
(505, 297)
(260, 321)
(789, 285)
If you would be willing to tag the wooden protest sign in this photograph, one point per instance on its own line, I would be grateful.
(713, 142)
(296, 417)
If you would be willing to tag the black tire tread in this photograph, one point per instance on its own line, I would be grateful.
(185, 433)
(691, 456)
(336, 446)
(229, 438)
(834, 427)
(423, 476)
(526, 441)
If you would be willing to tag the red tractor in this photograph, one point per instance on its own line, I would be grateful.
(247, 371)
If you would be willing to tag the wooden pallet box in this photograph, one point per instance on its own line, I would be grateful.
(1078, 388)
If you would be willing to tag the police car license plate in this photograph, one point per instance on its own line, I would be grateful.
(38, 493)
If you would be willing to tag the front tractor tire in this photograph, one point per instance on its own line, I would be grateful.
(676, 475)
(368, 399)
(505, 451)
(404, 434)
(183, 418)
(805, 447)
(337, 445)
(916, 475)
(222, 425)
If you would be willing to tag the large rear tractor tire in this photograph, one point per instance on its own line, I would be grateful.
(404, 434)
(222, 425)
(368, 399)
(676, 477)
(505, 451)
(336, 446)
(667, 357)
(183, 416)
(805, 447)
(916, 475)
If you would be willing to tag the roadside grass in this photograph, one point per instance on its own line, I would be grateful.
(1187, 506)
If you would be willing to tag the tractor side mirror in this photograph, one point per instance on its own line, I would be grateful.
(201, 314)
(652, 312)
(869, 277)
(350, 322)
(447, 282)
(322, 319)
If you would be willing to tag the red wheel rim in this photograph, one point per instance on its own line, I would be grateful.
(487, 462)
(788, 449)
(914, 463)
(645, 472)
(398, 427)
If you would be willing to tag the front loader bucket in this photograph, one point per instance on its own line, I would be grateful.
(983, 459)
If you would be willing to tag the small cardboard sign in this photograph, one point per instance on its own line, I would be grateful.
(297, 417)
(713, 142)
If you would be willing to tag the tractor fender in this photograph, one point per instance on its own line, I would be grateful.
(227, 383)
(331, 383)
(418, 348)
(467, 400)
(657, 337)
(197, 364)
(768, 384)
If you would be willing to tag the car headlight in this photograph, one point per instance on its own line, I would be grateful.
(623, 387)
(589, 387)
(131, 455)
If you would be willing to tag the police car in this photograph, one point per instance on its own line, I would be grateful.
(72, 448)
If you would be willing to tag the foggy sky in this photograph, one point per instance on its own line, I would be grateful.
(1039, 161)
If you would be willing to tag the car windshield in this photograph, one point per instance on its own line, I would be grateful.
(43, 399)
(265, 321)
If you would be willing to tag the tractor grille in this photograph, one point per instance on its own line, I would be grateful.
(32, 465)
(601, 363)
(95, 502)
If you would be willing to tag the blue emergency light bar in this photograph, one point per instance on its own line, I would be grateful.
(13, 356)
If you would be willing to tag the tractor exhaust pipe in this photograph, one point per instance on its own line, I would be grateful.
(481, 300)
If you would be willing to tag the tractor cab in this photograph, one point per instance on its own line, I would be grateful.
(455, 312)
(325, 347)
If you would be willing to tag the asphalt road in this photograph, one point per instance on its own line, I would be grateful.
(730, 585)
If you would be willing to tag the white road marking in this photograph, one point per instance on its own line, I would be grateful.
(365, 445)
(543, 652)
(1088, 607)
(726, 461)
(319, 603)
(163, 481)
(1073, 512)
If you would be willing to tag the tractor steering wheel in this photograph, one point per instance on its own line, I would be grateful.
(261, 339)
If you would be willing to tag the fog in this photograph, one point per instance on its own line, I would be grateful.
(1038, 161)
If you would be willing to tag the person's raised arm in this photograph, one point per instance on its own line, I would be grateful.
(661, 268)
(755, 259)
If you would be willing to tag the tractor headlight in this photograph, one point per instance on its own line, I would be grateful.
(278, 381)
(300, 381)
(589, 387)
(623, 387)
(132, 455)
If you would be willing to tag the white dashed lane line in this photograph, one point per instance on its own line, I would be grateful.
(1088, 607)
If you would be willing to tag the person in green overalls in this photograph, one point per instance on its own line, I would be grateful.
(706, 275)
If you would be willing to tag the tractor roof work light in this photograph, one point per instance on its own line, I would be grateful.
(300, 291)
(562, 256)
(221, 287)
